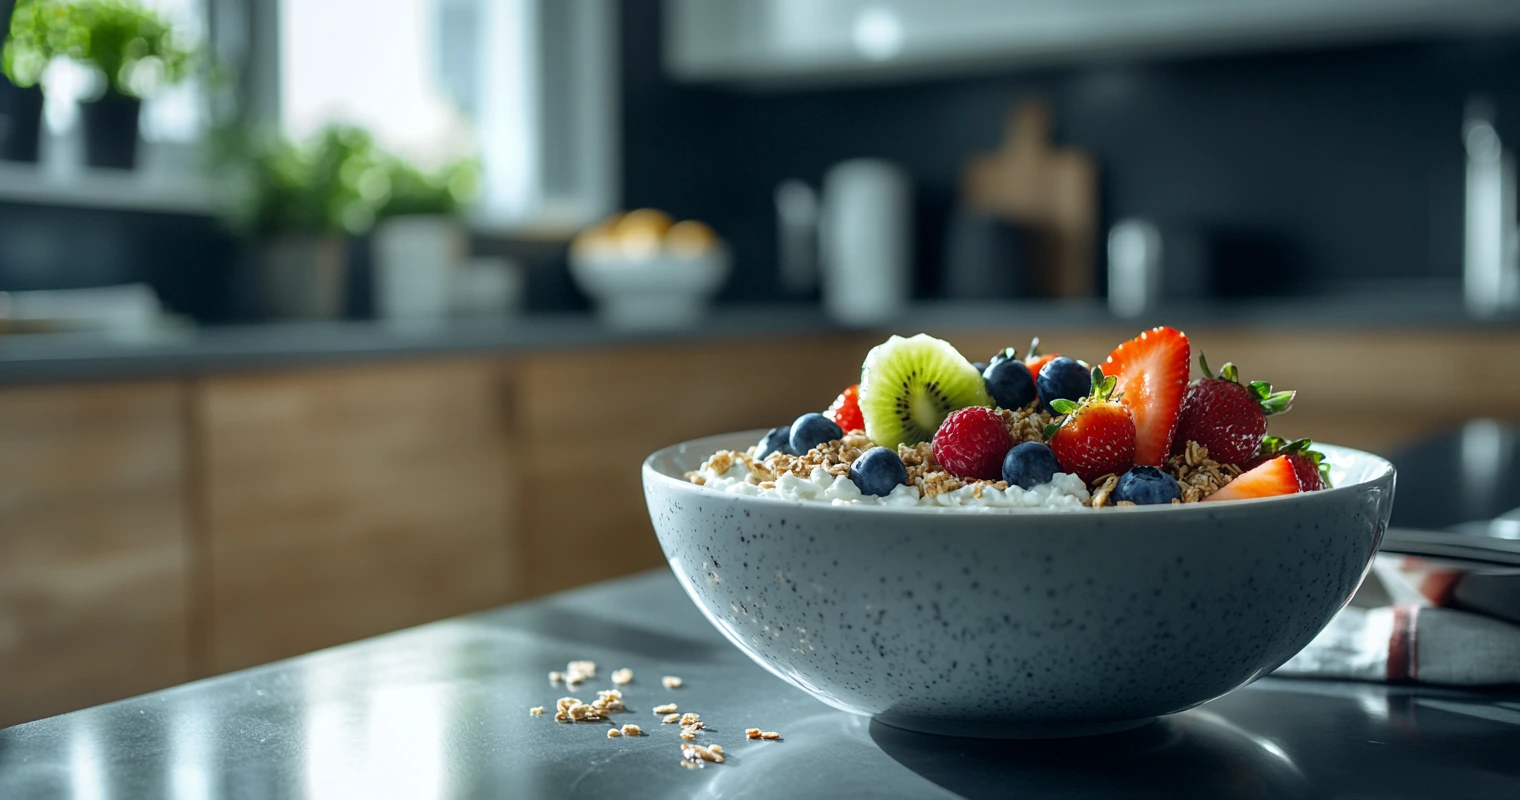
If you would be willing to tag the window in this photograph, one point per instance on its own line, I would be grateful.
(527, 85)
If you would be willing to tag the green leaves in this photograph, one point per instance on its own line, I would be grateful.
(1272, 446)
(1102, 387)
(339, 181)
(135, 49)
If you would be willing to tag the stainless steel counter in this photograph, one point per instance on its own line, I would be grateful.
(442, 711)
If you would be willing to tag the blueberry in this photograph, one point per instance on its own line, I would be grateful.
(811, 430)
(1063, 379)
(1009, 383)
(981, 366)
(878, 471)
(777, 441)
(1029, 465)
(1146, 486)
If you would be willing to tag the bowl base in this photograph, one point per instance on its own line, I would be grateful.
(1011, 730)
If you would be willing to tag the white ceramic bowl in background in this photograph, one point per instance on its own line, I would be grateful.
(1018, 622)
(662, 291)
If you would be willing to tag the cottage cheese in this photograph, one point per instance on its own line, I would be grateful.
(1064, 491)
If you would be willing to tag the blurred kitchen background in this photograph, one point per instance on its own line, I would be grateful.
(323, 318)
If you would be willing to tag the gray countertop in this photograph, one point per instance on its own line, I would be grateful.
(442, 711)
(37, 358)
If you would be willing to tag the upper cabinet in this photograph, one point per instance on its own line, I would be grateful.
(819, 41)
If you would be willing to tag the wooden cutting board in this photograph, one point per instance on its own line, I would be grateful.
(1049, 191)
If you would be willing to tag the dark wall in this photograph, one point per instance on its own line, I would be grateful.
(1321, 168)
(186, 259)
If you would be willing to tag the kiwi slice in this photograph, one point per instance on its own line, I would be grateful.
(908, 387)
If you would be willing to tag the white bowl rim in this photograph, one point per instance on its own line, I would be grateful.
(1381, 469)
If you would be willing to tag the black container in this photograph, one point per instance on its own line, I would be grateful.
(20, 122)
(110, 131)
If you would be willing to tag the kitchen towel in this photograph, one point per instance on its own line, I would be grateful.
(1419, 621)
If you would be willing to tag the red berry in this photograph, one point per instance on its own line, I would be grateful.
(845, 410)
(1273, 477)
(1306, 463)
(1309, 479)
(1152, 370)
(1095, 440)
(1227, 417)
(971, 444)
(1036, 360)
(1037, 363)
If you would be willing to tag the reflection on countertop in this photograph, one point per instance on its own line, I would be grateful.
(184, 349)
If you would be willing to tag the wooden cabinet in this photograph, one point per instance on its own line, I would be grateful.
(94, 548)
(590, 418)
(343, 503)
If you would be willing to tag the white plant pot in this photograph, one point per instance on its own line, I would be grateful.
(415, 261)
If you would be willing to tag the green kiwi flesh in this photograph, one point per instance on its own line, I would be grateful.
(908, 387)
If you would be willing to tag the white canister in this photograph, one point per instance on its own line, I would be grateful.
(415, 260)
(866, 241)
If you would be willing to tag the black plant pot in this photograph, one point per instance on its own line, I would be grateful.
(20, 122)
(110, 131)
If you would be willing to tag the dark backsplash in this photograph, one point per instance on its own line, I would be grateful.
(1320, 168)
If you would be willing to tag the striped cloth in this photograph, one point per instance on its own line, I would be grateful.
(1419, 621)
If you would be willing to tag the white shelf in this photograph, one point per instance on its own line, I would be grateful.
(115, 189)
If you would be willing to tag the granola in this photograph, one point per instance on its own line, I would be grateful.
(1197, 474)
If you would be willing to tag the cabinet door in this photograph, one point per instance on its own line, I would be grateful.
(93, 546)
(349, 502)
(590, 418)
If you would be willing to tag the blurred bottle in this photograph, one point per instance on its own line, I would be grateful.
(866, 241)
(1490, 257)
(1149, 264)
(797, 236)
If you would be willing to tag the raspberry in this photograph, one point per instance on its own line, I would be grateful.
(971, 443)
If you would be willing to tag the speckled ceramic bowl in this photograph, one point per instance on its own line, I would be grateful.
(1018, 622)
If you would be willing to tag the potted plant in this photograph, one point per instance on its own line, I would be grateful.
(21, 100)
(420, 242)
(135, 51)
(298, 204)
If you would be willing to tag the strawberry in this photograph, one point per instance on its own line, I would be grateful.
(1036, 360)
(1272, 477)
(1310, 466)
(1097, 437)
(1226, 417)
(1152, 370)
(845, 410)
(971, 444)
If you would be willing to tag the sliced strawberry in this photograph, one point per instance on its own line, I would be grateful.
(1097, 437)
(1152, 370)
(845, 410)
(1310, 465)
(1036, 360)
(1271, 478)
